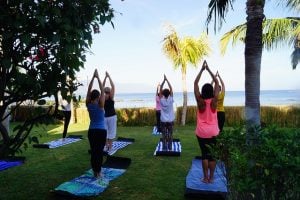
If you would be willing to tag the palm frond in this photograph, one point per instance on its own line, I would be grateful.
(275, 32)
(235, 35)
(280, 32)
(292, 4)
(218, 9)
(171, 46)
(195, 49)
(295, 57)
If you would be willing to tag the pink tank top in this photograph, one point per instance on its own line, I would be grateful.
(157, 103)
(207, 122)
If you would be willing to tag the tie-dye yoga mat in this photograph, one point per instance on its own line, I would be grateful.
(87, 185)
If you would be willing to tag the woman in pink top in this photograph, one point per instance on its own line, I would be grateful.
(207, 123)
(157, 108)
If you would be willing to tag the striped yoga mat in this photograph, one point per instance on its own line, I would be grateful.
(119, 144)
(58, 142)
(176, 149)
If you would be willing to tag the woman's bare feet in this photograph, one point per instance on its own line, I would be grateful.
(97, 175)
(205, 180)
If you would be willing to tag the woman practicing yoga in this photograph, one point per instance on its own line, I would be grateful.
(97, 131)
(207, 123)
(167, 114)
(110, 112)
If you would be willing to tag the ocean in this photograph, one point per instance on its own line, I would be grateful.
(232, 98)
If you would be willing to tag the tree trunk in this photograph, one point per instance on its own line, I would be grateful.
(4, 146)
(184, 106)
(253, 54)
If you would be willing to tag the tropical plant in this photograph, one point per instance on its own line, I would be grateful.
(272, 166)
(284, 31)
(253, 54)
(41, 44)
(256, 33)
(183, 51)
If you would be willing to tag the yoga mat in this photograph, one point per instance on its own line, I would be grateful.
(195, 188)
(11, 162)
(176, 149)
(58, 142)
(155, 132)
(87, 185)
(120, 143)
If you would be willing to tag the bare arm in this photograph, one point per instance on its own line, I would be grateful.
(222, 83)
(216, 88)
(169, 85)
(102, 97)
(199, 99)
(161, 87)
(112, 91)
(157, 89)
(88, 95)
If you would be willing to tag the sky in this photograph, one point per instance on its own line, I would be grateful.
(131, 52)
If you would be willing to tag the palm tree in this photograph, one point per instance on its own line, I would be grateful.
(254, 40)
(253, 53)
(182, 52)
(275, 32)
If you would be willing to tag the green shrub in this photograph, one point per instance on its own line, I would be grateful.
(284, 116)
(267, 170)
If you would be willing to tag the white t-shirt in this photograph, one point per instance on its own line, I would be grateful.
(167, 111)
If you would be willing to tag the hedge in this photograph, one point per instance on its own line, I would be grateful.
(283, 116)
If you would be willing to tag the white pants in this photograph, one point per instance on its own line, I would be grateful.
(111, 127)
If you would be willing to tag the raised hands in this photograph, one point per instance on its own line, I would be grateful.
(96, 75)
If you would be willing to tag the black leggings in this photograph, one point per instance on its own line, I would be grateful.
(167, 129)
(158, 124)
(97, 139)
(205, 145)
(221, 120)
(67, 115)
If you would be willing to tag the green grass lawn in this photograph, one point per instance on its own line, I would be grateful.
(148, 176)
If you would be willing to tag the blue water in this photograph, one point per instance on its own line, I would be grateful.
(232, 98)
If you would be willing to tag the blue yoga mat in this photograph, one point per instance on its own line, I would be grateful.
(11, 162)
(196, 188)
(87, 185)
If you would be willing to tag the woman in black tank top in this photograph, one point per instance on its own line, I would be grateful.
(110, 112)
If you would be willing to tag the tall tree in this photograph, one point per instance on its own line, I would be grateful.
(41, 44)
(182, 52)
(253, 54)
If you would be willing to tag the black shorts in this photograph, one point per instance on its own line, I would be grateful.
(205, 145)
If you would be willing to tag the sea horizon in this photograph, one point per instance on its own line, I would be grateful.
(232, 98)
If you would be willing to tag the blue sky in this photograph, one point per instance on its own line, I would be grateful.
(132, 51)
